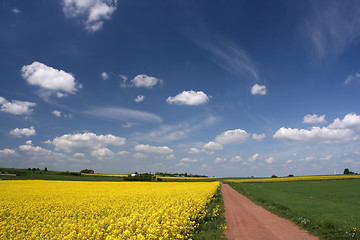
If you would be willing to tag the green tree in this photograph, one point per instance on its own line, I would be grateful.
(346, 171)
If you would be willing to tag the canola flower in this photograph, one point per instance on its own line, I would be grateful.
(37, 209)
(289, 179)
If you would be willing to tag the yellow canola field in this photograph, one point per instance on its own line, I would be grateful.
(37, 209)
(289, 179)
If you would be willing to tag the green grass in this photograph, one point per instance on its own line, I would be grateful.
(329, 209)
(212, 225)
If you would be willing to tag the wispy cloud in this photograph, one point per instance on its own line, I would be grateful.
(125, 114)
(230, 56)
(332, 26)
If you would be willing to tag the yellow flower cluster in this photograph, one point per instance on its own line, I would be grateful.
(190, 178)
(37, 209)
(289, 179)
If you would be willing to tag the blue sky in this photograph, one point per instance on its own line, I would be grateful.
(237, 88)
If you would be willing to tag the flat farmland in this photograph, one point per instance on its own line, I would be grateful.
(38, 209)
(329, 209)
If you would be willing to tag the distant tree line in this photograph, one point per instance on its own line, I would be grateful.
(348, 172)
(178, 175)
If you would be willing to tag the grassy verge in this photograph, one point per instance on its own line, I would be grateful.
(328, 209)
(213, 224)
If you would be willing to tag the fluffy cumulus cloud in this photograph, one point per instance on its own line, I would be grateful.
(314, 119)
(139, 98)
(20, 132)
(188, 160)
(189, 98)
(232, 137)
(351, 121)
(16, 107)
(88, 140)
(341, 130)
(195, 150)
(103, 154)
(152, 149)
(49, 79)
(8, 152)
(139, 155)
(104, 75)
(258, 137)
(258, 89)
(254, 157)
(270, 160)
(56, 113)
(219, 160)
(315, 134)
(236, 159)
(92, 12)
(213, 146)
(143, 80)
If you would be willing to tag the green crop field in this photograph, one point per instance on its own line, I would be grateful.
(329, 209)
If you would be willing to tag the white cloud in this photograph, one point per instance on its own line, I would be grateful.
(16, 107)
(270, 160)
(104, 75)
(327, 157)
(71, 142)
(352, 78)
(48, 78)
(118, 113)
(79, 155)
(232, 137)
(92, 12)
(351, 120)
(139, 155)
(195, 151)
(102, 154)
(236, 159)
(213, 146)
(182, 164)
(143, 80)
(188, 160)
(314, 119)
(123, 153)
(19, 132)
(316, 134)
(170, 157)
(189, 98)
(258, 89)
(219, 160)
(56, 113)
(16, 11)
(254, 157)
(139, 98)
(152, 149)
(8, 152)
(258, 137)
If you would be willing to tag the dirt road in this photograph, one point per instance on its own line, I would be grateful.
(247, 220)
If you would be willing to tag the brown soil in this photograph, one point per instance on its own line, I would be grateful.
(247, 220)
